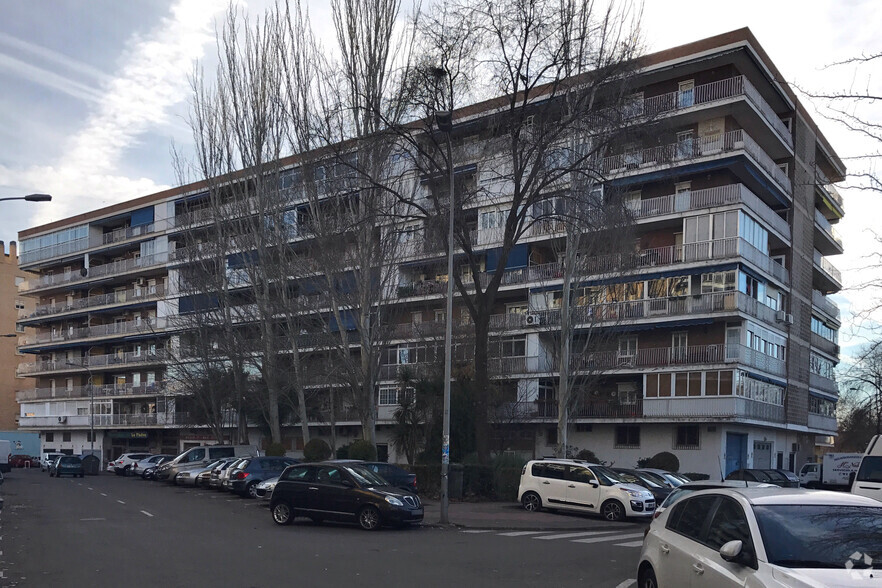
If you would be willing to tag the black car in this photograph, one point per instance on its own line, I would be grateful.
(67, 465)
(793, 479)
(251, 471)
(648, 481)
(751, 476)
(347, 492)
(393, 474)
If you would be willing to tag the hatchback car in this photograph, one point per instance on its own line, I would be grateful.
(139, 468)
(247, 474)
(764, 537)
(752, 476)
(672, 479)
(67, 465)
(215, 478)
(579, 486)
(122, 466)
(687, 489)
(649, 481)
(342, 492)
(48, 460)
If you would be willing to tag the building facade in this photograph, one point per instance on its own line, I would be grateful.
(14, 307)
(725, 338)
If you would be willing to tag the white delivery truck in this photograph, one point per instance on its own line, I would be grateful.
(868, 480)
(832, 472)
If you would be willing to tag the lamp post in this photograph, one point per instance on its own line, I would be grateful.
(30, 198)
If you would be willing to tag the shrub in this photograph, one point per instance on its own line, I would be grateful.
(664, 461)
(588, 455)
(276, 449)
(343, 452)
(316, 450)
(643, 462)
(362, 449)
(696, 476)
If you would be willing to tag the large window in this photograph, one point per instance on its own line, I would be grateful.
(687, 437)
(822, 367)
(754, 233)
(718, 282)
(819, 327)
(628, 436)
(822, 406)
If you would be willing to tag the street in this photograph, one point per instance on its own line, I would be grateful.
(114, 531)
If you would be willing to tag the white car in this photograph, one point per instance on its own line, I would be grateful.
(122, 465)
(48, 460)
(756, 537)
(578, 486)
(265, 488)
(673, 480)
(690, 487)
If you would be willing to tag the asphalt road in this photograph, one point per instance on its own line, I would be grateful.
(114, 531)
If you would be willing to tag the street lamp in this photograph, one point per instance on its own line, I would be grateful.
(30, 198)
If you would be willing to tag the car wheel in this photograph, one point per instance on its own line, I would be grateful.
(531, 502)
(369, 518)
(612, 510)
(646, 578)
(282, 514)
(251, 490)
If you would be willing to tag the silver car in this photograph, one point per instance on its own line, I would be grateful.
(265, 488)
(140, 467)
(191, 476)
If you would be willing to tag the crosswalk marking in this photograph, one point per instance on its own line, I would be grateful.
(631, 544)
(571, 535)
(608, 538)
(521, 533)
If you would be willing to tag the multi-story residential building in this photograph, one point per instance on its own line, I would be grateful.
(14, 307)
(725, 338)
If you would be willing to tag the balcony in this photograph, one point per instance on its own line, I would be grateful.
(547, 409)
(693, 150)
(159, 419)
(825, 305)
(825, 345)
(111, 299)
(827, 238)
(79, 392)
(822, 383)
(93, 362)
(116, 268)
(139, 326)
(714, 407)
(822, 422)
(830, 193)
(827, 277)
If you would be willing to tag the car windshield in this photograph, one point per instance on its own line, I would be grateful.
(799, 536)
(675, 480)
(365, 477)
(610, 476)
(648, 480)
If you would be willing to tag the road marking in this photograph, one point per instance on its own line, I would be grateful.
(520, 533)
(146, 513)
(120, 501)
(103, 494)
(90, 488)
(608, 538)
(94, 519)
(631, 544)
(571, 535)
(627, 583)
(475, 531)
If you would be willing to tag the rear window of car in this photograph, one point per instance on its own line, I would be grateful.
(555, 471)
(70, 459)
(295, 474)
(870, 470)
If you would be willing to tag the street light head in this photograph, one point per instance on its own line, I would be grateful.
(444, 120)
(38, 197)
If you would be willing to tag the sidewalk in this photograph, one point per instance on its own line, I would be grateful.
(509, 516)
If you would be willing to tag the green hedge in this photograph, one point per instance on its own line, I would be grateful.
(481, 482)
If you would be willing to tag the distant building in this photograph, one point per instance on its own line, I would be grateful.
(726, 357)
(13, 306)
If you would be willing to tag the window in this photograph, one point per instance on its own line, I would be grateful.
(627, 348)
(554, 471)
(65, 436)
(689, 516)
(687, 437)
(628, 436)
(492, 219)
(582, 475)
(299, 474)
(513, 347)
(728, 524)
(686, 93)
(50, 437)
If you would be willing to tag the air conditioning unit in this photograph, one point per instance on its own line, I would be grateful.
(780, 316)
(533, 319)
(62, 420)
(788, 318)
(140, 282)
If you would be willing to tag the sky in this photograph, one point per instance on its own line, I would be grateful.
(95, 94)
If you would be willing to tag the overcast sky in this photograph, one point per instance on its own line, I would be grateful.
(95, 93)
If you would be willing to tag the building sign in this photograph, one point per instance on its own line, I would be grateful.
(128, 435)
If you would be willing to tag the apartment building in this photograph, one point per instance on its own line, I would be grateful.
(725, 338)
(14, 306)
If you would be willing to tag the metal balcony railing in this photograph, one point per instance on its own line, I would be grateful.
(132, 295)
(93, 361)
(144, 325)
(94, 272)
(829, 229)
(829, 189)
(828, 268)
(109, 390)
(825, 304)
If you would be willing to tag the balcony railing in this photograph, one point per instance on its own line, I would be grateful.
(825, 345)
(713, 407)
(828, 268)
(112, 360)
(825, 304)
(823, 384)
(822, 422)
(829, 229)
(107, 420)
(590, 409)
(86, 243)
(109, 390)
(829, 189)
(684, 151)
(145, 325)
(94, 272)
(138, 294)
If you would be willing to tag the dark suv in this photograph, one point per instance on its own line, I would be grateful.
(342, 492)
(253, 470)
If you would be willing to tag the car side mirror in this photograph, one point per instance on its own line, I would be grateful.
(594, 483)
(348, 483)
(734, 552)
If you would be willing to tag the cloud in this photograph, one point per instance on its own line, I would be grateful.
(49, 79)
(54, 57)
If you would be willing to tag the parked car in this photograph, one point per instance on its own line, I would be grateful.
(868, 479)
(23, 461)
(122, 466)
(48, 460)
(202, 455)
(670, 478)
(249, 472)
(393, 474)
(67, 465)
(215, 480)
(224, 475)
(751, 476)
(791, 477)
(780, 479)
(687, 489)
(578, 486)
(763, 537)
(655, 485)
(190, 476)
(342, 492)
(140, 467)
(265, 489)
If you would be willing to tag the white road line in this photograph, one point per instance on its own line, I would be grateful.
(146, 513)
(120, 501)
(94, 519)
(608, 538)
(103, 494)
(475, 531)
(571, 535)
(90, 488)
(631, 544)
(627, 583)
(520, 533)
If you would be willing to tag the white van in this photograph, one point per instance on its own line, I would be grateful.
(868, 481)
(202, 456)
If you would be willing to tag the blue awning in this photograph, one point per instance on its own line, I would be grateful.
(142, 217)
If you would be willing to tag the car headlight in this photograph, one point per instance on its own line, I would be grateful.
(633, 493)
(394, 501)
